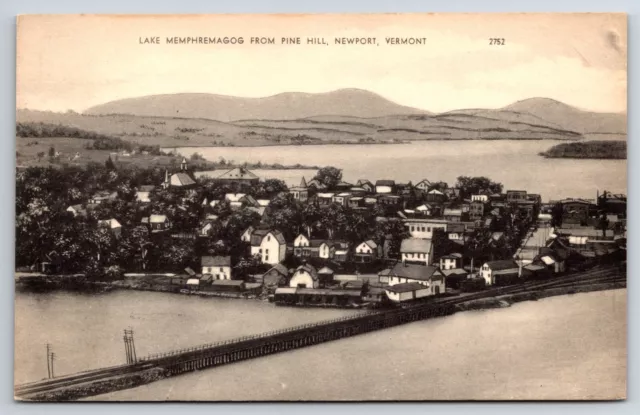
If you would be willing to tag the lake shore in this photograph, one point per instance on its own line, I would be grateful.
(597, 149)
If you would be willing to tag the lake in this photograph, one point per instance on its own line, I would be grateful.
(86, 330)
(515, 163)
(532, 350)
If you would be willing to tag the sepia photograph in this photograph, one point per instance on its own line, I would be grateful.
(321, 207)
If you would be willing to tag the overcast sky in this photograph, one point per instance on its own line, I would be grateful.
(75, 62)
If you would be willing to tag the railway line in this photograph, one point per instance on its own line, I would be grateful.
(249, 347)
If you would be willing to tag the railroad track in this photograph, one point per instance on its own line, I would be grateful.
(49, 385)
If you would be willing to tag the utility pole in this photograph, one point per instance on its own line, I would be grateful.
(48, 361)
(129, 346)
(53, 357)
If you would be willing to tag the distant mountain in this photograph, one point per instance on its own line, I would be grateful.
(285, 106)
(571, 118)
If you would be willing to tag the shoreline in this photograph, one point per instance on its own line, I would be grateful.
(128, 381)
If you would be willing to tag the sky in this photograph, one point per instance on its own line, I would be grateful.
(67, 62)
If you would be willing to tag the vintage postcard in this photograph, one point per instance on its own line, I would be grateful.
(391, 207)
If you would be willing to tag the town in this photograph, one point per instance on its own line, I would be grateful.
(323, 243)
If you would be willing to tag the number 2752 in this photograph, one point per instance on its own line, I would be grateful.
(497, 41)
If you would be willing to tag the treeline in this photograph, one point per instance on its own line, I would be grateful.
(588, 150)
(97, 141)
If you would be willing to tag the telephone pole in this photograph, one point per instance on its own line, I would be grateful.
(53, 356)
(129, 346)
(48, 361)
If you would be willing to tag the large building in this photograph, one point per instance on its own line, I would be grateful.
(238, 175)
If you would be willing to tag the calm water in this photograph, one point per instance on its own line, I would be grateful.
(532, 350)
(514, 163)
(86, 330)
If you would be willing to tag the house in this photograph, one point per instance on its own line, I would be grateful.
(305, 247)
(180, 180)
(228, 285)
(193, 284)
(341, 198)
(576, 210)
(424, 210)
(411, 273)
(159, 223)
(516, 196)
(263, 202)
(451, 261)
(102, 196)
(325, 276)
(238, 175)
(113, 225)
(343, 186)
(390, 200)
(272, 248)
(217, 266)
(366, 252)
(435, 196)
(613, 203)
(256, 239)
(581, 235)
(452, 215)
(552, 260)
(342, 251)
(455, 231)
(77, 210)
(246, 235)
(423, 227)
(401, 293)
(275, 277)
(385, 186)
(305, 276)
(454, 277)
(143, 193)
(356, 202)
(300, 192)
(324, 199)
(423, 185)
(358, 191)
(476, 209)
(500, 272)
(366, 185)
(416, 250)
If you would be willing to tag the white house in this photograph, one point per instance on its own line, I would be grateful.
(301, 241)
(424, 210)
(305, 276)
(385, 186)
(493, 269)
(423, 185)
(112, 224)
(367, 251)
(217, 266)
(77, 210)
(450, 261)
(341, 198)
(428, 276)
(409, 291)
(416, 250)
(273, 248)
(423, 228)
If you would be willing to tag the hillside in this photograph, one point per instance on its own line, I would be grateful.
(570, 118)
(181, 132)
(285, 106)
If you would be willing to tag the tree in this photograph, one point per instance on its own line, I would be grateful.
(311, 214)
(109, 164)
(393, 232)
(474, 185)
(247, 266)
(334, 220)
(329, 176)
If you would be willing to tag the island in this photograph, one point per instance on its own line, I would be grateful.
(588, 150)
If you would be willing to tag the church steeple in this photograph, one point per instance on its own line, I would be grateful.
(165, 184)
(183, 164)
(303, 183)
